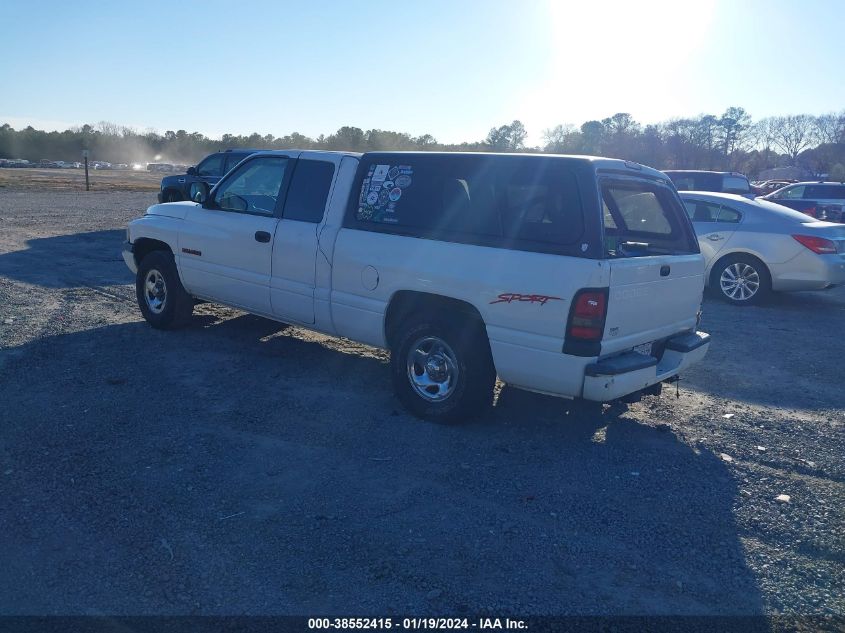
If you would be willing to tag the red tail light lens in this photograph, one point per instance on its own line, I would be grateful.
(816, 244)
(586, 322)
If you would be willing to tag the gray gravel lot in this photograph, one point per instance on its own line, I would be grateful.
(240, 467)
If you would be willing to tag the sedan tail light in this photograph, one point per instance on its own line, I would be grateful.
(818, 245)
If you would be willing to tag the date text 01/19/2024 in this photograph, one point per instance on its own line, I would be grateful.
(414, 624)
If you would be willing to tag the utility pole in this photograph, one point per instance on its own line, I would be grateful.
(85, 156)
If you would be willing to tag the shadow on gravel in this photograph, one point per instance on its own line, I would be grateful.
(236, 468)
(67, 261)
(783, 353)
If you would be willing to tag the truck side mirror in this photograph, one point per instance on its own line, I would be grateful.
(199, 192)
(192, 171)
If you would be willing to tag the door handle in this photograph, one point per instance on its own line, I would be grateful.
(665, 270)
(262, 236)
(714, 238)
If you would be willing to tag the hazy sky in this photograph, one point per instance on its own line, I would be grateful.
(450, 68)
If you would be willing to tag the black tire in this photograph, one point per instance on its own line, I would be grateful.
(165, 310)
(755, 277)
(466, 344)
(171, 195)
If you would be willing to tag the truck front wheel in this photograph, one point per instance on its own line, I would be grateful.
(163, 300)
(443, 371)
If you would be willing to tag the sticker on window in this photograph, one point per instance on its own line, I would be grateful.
(381, 190)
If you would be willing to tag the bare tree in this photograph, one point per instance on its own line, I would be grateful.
(108, 128)
(829, 128)
(557, 138)
(763, 135)
(792, 134)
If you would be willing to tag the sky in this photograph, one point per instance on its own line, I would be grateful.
(450, 68)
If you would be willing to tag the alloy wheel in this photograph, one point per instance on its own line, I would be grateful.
(739, 281)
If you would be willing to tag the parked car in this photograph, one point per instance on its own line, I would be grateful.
(722, 181)
(768, 186)
(822, 200)
(752, 247)
(209, 171)
(573, 276)
(160, 167)
(18, 163)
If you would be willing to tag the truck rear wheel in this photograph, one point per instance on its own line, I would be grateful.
(163, 300)
(442, 371)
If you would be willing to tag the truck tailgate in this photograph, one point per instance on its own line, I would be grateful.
(651, 298)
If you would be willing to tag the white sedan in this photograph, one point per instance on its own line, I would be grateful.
(752, 247)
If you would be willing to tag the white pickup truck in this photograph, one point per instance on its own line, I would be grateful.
(573, 276)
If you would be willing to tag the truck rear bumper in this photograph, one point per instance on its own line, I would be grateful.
(628, 373)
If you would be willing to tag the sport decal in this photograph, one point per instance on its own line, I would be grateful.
(510, 297)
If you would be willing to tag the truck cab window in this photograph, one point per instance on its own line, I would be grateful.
(232, 160)
(309, 190)
(253, 187)
(211, 166)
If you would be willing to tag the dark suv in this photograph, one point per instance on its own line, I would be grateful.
(716, 181)
(209, 170)
(822, 200)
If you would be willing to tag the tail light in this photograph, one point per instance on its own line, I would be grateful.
(587, 320)
(811, 211)
(818, 245)
(585, 327)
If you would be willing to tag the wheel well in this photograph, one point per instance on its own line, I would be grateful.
(145, 245)
(406, 303)
(715, 268)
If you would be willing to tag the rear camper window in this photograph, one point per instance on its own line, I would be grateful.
(526, 203)
(642, 218)
(736, 184)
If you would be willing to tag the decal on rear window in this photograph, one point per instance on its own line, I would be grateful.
(381, 190)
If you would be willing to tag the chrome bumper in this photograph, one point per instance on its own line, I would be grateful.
(129, 257)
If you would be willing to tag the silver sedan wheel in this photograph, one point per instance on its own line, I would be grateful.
(432, 368)
(155, 291)
(739, 281)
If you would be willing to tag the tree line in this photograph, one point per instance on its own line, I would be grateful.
(730, 141)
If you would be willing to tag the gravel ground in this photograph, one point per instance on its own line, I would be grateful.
(240, 467)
